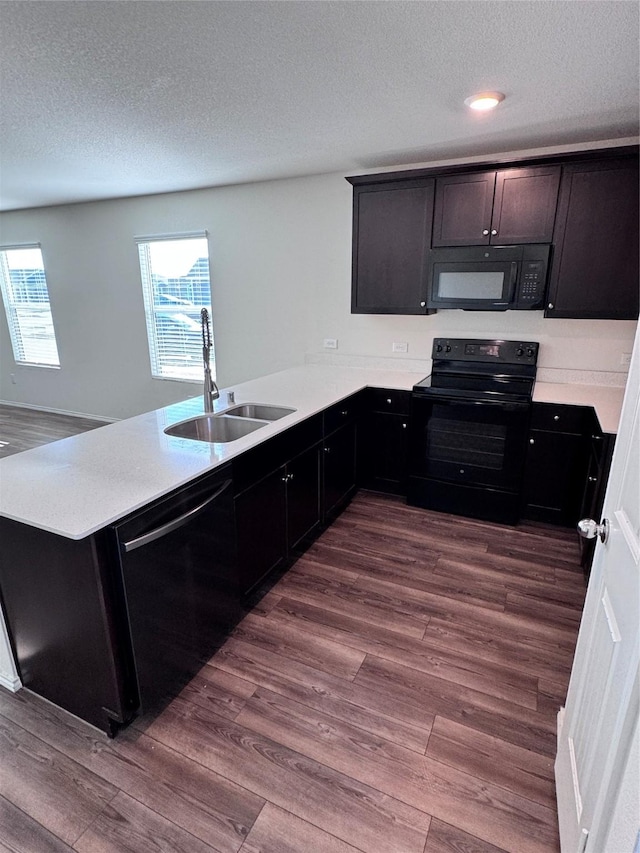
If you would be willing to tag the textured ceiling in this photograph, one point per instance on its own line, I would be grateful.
(107, 99)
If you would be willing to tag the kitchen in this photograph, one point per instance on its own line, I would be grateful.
(295, 303)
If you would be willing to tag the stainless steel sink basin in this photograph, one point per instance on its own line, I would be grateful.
(259, 411)
(214, 428)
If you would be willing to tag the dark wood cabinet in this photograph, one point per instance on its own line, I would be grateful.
(276, 515)
(556, 464)
(594, 272)
(504, 207)
(304, 511)
(63, 621)
(261, 529)
(339, 470)
(384, 440)
(391, 237)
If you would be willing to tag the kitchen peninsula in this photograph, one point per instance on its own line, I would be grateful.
(61, 503)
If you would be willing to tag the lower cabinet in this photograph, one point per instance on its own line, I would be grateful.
(384, 441)
(275, 515)
(304, 511)
(261, 529)
(556, 464)
(339, 469)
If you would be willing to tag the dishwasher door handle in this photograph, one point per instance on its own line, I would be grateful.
(175, 524)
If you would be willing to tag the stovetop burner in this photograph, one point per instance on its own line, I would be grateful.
(481, 369)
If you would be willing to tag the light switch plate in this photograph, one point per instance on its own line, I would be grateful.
(330, 343)
(401, 346)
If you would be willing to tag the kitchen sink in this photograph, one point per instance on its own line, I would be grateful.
(214, 428)
(259, 411)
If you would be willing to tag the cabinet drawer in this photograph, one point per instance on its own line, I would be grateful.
(342, 413)
(385, 400)
(560, 418)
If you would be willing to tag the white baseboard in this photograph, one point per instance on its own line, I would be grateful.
(11, 682)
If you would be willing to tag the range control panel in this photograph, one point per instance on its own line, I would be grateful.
(493, 351)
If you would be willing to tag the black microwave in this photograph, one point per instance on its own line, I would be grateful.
(488, 278)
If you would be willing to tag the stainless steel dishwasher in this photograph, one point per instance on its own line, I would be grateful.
(179, 583)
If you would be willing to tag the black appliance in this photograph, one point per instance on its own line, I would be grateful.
(178, 580)
(488, 278)
(469, 428)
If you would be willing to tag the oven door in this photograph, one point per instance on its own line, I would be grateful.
(472, 442)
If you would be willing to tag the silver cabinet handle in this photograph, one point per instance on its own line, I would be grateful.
(404, 426)
(344, 413)
(494, 232)
(170, 526)
(485, 231)
(589, 529)
(556, 417)
(532, 441)
(422, 304)
(593, 479)
(388, 401)
(550, 305)
(327, 449)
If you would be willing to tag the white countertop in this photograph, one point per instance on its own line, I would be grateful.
(606, 400)
(78, 485)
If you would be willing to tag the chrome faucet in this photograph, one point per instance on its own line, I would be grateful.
(211, 391)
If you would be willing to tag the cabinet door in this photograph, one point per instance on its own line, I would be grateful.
(303, 495)
(339, 468)
(391, 232)
(386, 452)
(261, 528)
(524, 208)
(595, 267)
(555, 472)
(462, 215)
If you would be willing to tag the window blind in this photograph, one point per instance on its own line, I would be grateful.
(26, 303)
(176, 286)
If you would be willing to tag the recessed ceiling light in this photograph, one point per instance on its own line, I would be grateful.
(484, 101)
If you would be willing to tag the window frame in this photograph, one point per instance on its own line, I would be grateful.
(17, 333)
(157, 344)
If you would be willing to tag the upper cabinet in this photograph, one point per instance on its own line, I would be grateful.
(594, 273)
(391, 234)
(503, 207)
(584, 204)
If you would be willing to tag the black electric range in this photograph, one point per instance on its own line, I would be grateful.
(469, 428)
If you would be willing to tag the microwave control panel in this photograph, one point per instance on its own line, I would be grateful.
(532, 281)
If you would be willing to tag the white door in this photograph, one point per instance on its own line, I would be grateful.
(597, 728)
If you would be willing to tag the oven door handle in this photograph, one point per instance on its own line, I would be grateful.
(507, 405)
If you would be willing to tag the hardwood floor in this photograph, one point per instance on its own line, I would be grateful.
(395, 692)
(22, 429)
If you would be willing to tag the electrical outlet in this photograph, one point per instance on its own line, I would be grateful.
(625, 358)
(330, 343)
(400, 347)
(14, 381)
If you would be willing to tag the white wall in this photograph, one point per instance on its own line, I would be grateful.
(262, 241)
(281, 268)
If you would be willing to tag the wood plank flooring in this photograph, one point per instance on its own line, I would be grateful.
(395, 692)
(21, 429)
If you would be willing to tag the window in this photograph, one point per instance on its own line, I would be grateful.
(176, 287)
(26, 303)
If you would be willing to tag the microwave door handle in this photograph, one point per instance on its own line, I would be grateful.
(514, 279)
